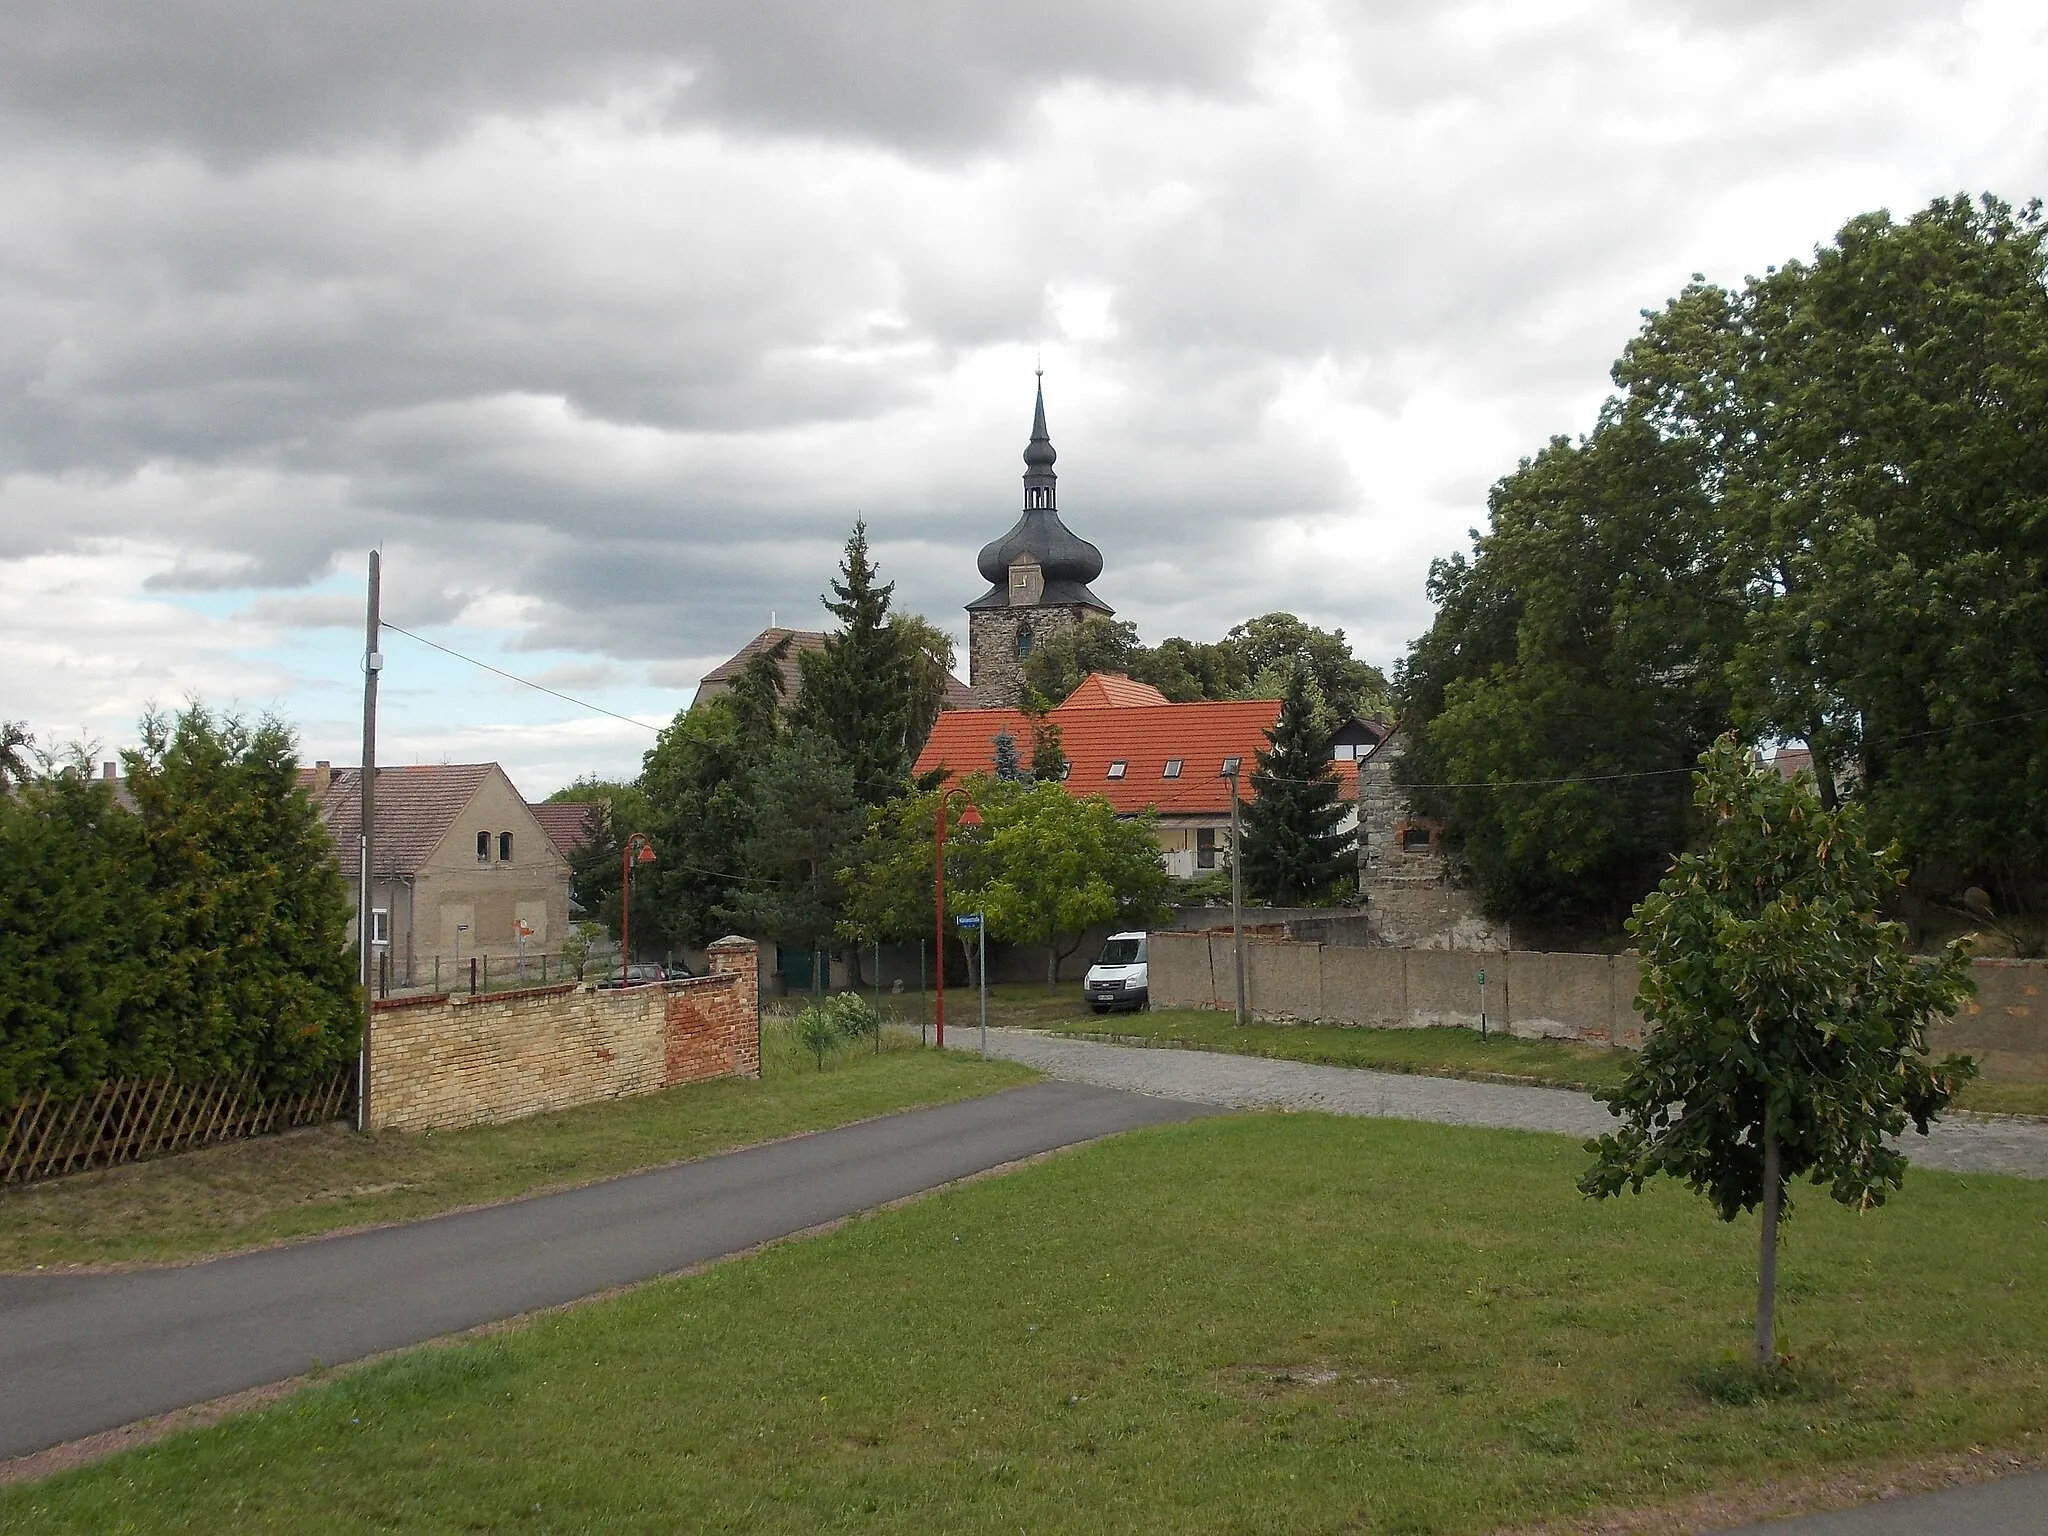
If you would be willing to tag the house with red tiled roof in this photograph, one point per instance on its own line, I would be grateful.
(1125, 742)
(464, 867)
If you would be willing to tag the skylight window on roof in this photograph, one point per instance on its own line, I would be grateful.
(1118, 768)
(1172, 769)
(1231, 765)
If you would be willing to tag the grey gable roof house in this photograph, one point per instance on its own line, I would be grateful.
(463, 866)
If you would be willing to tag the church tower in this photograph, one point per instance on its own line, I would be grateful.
(1038, 574)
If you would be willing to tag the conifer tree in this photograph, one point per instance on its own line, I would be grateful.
(1294, 853)
(1009, 765)
(861, 692)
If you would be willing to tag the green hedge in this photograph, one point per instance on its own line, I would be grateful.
(199, 931)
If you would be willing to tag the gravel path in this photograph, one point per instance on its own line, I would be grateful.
(1961, 1144)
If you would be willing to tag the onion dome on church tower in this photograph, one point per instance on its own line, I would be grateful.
(1040, 563)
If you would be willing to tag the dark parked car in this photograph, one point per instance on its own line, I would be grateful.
(641, 973)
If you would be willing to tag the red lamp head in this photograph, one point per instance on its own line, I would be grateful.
(646, 855)
(969, 816)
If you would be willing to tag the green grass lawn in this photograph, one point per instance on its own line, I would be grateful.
(319, 1180)
(1258, 1323)
(1430, 1052)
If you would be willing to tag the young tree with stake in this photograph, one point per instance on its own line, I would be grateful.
(1788, 1023)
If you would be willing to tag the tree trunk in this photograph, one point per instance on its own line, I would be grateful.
(1767, 1258)
(1052, 966)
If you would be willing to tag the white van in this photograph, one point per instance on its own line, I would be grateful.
(1118, 978)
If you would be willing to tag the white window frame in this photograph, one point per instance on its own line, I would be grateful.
(380, 927)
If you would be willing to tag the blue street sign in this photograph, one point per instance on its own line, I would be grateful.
(968, 922)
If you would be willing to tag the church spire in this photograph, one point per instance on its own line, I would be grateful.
(1040, 483)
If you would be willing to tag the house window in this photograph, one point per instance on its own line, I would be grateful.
(483, 847)
(1023, 641)
(1066, 768)
(1231, 765)
(1415, 839)
(1117, 768)
(504, 847)
(1346, 752)
(380, 925)
(1205, 847)
(1171, 770)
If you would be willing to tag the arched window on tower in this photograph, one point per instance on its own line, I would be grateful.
(1023, 641)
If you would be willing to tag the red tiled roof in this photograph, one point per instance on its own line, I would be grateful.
(564, 821)
(1144, 737)
(1112, 690)
(415, 808)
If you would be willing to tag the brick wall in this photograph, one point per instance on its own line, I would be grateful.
(1545, 996)
(439, 1062)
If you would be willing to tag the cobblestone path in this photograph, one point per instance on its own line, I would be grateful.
(1961, 1144)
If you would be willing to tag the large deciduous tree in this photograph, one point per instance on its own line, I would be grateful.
(1576, 670)
(1062, 865)
(1294, 852)
(1788, 1023)
(1815, 512)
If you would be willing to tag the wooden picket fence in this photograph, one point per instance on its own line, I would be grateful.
(128, 1119)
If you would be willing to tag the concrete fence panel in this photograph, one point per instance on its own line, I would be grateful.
(1443, 986)
(1558, 997)
(1223, 969)
(1365, 986)
(2005, 1026)
(1178, 967)
(1628, 1023)
(1284, 980)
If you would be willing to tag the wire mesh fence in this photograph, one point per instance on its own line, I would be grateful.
(128, 1119)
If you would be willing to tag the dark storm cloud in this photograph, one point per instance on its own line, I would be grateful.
(238, 79)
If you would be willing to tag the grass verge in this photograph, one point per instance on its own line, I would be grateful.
(1258, 1323)
(327, 1178)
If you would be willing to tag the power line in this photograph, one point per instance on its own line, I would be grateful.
(528, 682)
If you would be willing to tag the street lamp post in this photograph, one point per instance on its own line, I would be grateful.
(969, 817)
(638, 850)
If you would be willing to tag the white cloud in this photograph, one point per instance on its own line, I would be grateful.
(606, 334)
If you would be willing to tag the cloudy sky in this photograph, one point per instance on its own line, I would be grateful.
(605, 321)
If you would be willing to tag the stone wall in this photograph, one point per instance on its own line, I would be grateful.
(1588, 998)
(444, 1061)
(995, 673)
(1410, 894)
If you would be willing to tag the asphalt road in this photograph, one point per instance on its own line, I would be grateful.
(2011, 1506)
(84, 1353)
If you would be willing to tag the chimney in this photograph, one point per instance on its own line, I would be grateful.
(107, 771)
(323, 776)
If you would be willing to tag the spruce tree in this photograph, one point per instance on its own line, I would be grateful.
(1009, 762)
(1294, 853)
(859, 693)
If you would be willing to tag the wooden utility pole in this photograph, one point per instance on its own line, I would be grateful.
(373, 664)
(1236, 890)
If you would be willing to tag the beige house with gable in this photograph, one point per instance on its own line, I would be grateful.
(462, 866)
